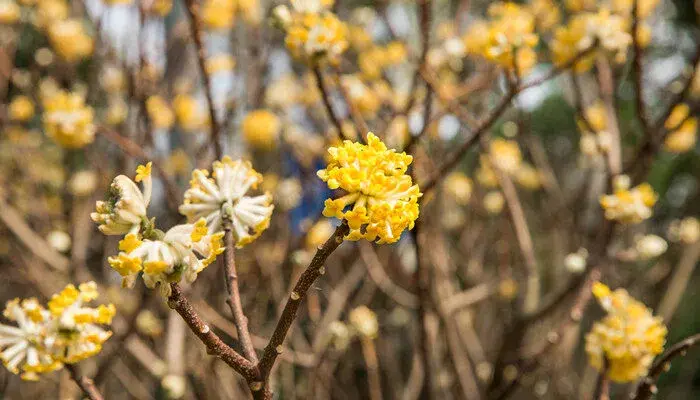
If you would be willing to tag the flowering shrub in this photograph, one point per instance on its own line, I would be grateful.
(393, 199)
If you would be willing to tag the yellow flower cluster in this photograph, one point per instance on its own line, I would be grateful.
(507, 39)
(628, 338)
(608, 26)
(21, 109)
(384, 197)
(683, 130)
(599, 141)
(261, 129)
(67, 120)
(313, 32)
(69, 40)
(629, 206)
(159, 8)
(375, 59)
(183, 251)
(362, 97)
(189, 115)
(45, 338)
(10, 12)
(159, 112)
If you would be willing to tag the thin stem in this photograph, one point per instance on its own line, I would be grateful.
(648, 386)
(196, 29)
(638, 73)
(307, 278)
(234, 296)
(321, 84)
(422, 278)
(86, 384)
(602, 390)
(369, 352)
(215, 346)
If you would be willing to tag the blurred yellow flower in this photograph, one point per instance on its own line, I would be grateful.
(505, 155)
(313, 32)
(21, 109)
(159, 112)
(627, 339)
(459, 186)
(218, 14)
(261, 129)
(364, 322)
(159, 7)
(9, 12)
(189, 116)
(629, 206)
(69, 40)
(68, 121)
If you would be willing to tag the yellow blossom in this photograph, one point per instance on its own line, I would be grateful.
(9, 12)
(313, 33)
(159, 7)
(70, 40)
(627, 339)
(159, 112)
(364, 321)
(459, 186)
(261, 129)
(218, 14)
(505, 155)
(220, 63)
(189, 116)
(629, 206)
(21, 109)
(375, 180)
(68, 121)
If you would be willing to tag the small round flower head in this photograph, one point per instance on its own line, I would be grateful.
(68, 121)
(384, 196)
(225, 196)
(628, 337)
(686, 230)
(629, 206)
(313, 32)
(340, 335)
(505, 155)
(159, 112)
(10, 12)
(683, 130)
(261, 129)
(125, 208)
(77, 328)
(23, 349)
(21, 109)
(44, 339)
(459, 186)
(364, 322)
(650, 246)
(69, 39)
(184, 251)
(576, 262)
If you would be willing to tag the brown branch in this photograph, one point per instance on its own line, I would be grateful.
(638, 73)
(307, 278)
(234, 296)
(215, 346)
(647, 387)
(425, 46)
(321, 84)
(193, 11)
(86, 384)
(602, 390)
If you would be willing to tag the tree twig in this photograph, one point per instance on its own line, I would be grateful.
(86, 384)
(215, 346)
(647, 387)
(196, 29)
(234, 296)
(325, 96)
(307, 278)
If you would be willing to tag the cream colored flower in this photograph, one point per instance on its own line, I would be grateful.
(125, 209)
(225, 196)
